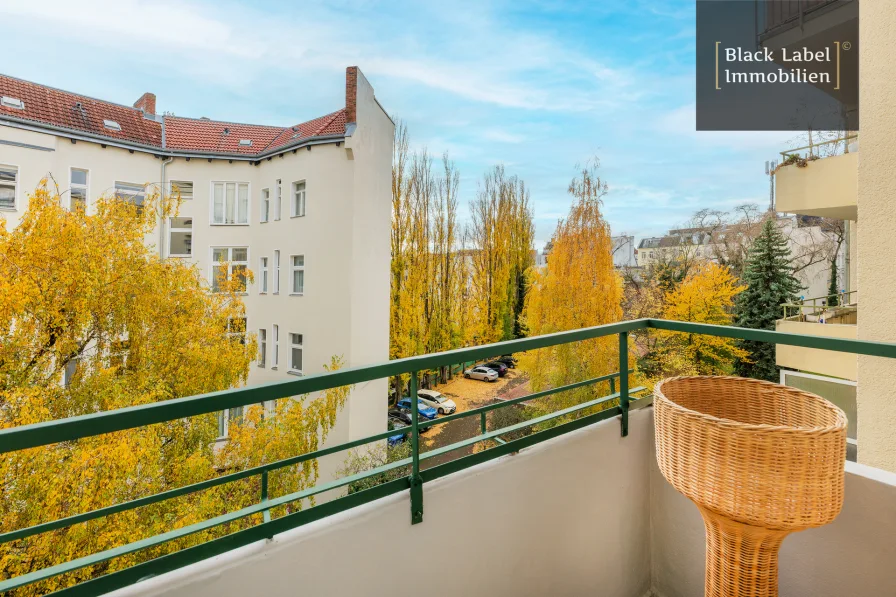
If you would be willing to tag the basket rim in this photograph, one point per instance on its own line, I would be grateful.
(838, 425)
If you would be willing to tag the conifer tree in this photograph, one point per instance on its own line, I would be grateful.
(770, 283)
(833, 288)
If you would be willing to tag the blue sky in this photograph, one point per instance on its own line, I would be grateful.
(540, 86)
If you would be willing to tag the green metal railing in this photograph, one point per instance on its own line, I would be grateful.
(815, 307)
(616, 403)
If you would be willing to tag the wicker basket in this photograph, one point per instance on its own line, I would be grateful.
(760, 460)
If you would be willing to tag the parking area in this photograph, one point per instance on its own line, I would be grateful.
(469, 394)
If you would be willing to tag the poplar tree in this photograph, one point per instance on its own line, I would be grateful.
(770, 283)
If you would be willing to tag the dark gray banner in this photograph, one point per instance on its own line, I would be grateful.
(785, 65)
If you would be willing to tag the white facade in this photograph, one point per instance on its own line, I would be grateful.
(338, 238)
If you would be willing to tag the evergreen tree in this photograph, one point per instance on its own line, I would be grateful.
(770, 283)
(833, 288)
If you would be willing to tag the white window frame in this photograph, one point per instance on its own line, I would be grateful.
(262, 347)
(189, 197)
(278, 201)
(211, 205)
(172, 230)
(224, 417)
(244, 335)
(296, 345)
(293, 270)
(275, 346)
(15, 187)
(276, 272)
(265, 206)
(298, 199)
(263, 275)
(214, 265)
(85, 188)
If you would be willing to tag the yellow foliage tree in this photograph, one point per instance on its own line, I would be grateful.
(578, 288)
(705, 296)
(92, 320)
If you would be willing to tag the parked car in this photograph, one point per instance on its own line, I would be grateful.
(423, 410)
(497, 366)
(438, 401)
(405, 417)
(394, 440)
(507, 360)
(482, 373)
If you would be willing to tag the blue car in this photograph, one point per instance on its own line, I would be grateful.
(395, 440)
(425, 411)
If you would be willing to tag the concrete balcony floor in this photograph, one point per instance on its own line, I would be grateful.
(587, 513)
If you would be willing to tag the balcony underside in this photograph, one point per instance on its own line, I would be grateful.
(587, 513)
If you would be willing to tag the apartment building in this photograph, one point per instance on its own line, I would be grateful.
(305, 207)
(851, 180)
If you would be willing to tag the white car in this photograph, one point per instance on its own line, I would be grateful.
(483, 373)
(438, 401)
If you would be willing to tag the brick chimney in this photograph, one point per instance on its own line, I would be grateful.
(351, 94)
(147, 103)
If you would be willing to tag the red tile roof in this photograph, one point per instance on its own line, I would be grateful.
(78, 113)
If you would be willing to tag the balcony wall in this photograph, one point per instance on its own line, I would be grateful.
(584, 514)
(813, 360)
(827, 187)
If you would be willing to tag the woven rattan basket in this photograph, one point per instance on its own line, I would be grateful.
(760, 460)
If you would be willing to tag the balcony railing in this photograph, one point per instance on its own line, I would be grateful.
(833, 308)
(617, 403)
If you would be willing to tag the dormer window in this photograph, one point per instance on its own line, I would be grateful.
(112, 125)
(246, 142)
(12, 102)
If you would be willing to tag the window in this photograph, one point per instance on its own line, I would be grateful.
(298, 199)
(276, 272)
(236, 329)
(295, 353)
(229, 263)
(180, 237)
(72, 369)
(132, 193)
(275, 355)
(12, 102)
(78, 191)
(263, 268)
(262, 347)
(230, 203)
(277, 201)
(9, 176)
(184, 187)
(118, 355)
(112, 125)
(298, 274)
(226, 418)
(265, 204)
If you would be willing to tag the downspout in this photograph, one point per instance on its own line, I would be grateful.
(165, 162)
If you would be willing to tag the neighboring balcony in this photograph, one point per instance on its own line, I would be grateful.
(813, 317)
(822, 186)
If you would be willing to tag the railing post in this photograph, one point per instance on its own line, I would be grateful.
(482, 423)
(416, 481)
(623, 380)
(613, 384)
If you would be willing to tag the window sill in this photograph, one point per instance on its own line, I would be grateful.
(296, 294)
(260, 366)
(262, 292)
(296, 373)
(181, 256)
(8, 209)
(273, 367)
(293, 217)
(229, 224)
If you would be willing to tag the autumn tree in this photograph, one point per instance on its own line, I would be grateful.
(770, 283)
(705, 296)
(578, 288)
(92, 321)
(502, 235)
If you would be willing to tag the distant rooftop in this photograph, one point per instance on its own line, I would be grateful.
(63, 111)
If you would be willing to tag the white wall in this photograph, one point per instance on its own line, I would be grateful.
(568, 517)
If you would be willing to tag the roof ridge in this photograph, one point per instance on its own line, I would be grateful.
(90, 97)
(212, 121)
